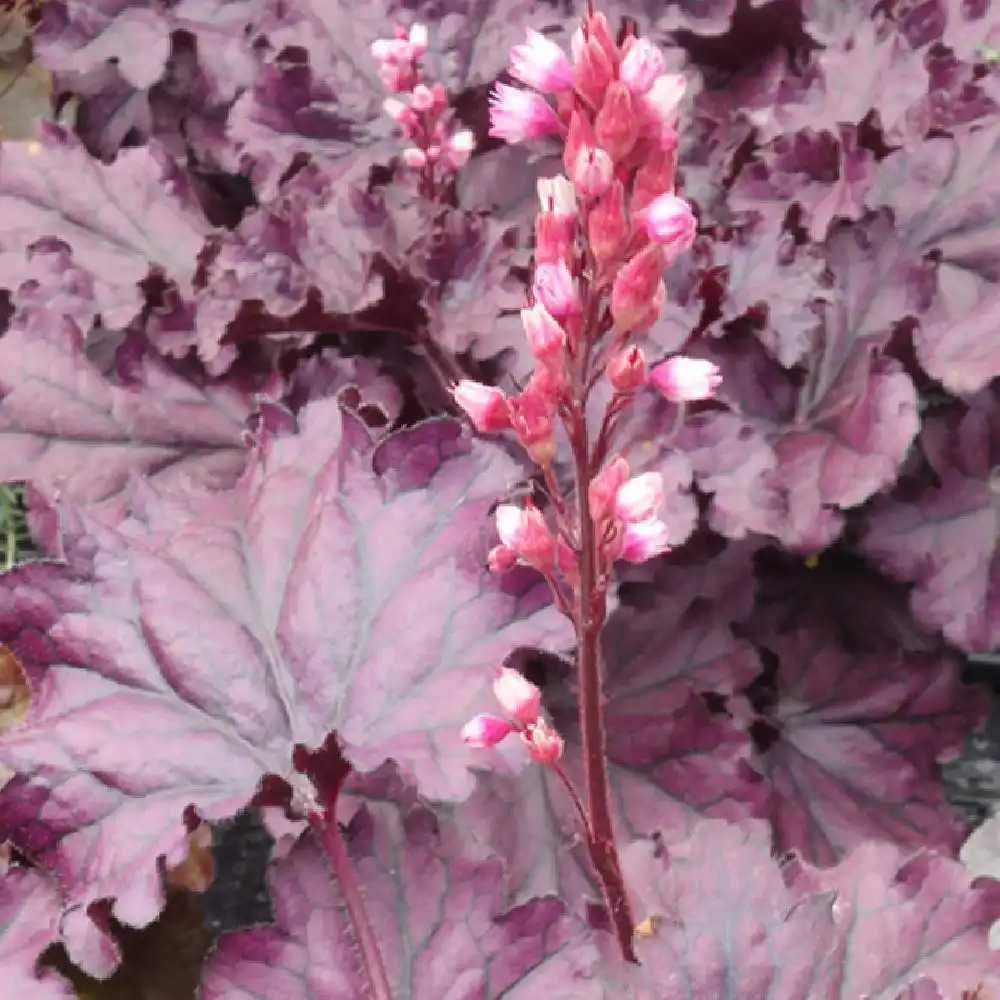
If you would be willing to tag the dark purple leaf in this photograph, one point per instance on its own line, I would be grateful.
(437, 912)
(337, 587)
(851, 745)
(29, 922)
(943, 535)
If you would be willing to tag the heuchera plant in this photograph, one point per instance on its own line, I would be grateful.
(542, 466)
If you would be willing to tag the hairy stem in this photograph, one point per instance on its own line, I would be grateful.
(326, 826)
(591, 609)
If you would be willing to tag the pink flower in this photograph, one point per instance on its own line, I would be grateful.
(640, 497)
(643, 540)
(555, 288)
(683, 379)
(556, 195)
(541, 64)
(418, 40)
(517, 696)
(516, 115)
(485, 405)
(593, 172)
(485, 731)
(459, 148)
(545, 745)
(627, 370)
(670, 222)
(642, 64)
(664, 97)
(635, 290)
(604, 487)
(524, 530)
(545, 336)
(616, 126)
(500, 559)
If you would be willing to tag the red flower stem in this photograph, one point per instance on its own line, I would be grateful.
(328, 829)
(591, 611)
(575, 799)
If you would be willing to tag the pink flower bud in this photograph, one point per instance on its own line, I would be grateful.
(664, 97)
(607, 226)
(627, 370)
(423, 99)
(642, 64)
(532, 416)
(555, 288)
(500, 559)
(546, 338)
(635, 288)
(640, 498)
(517, 696)
(395, 109)
(593, 172)
(485, 405)
(593, 72)
(459, 148)
(670, 222)
(555, 236)
(653, 178)
(541, 64)
(579, 134)
(556, 195)
(644, 540)
(418, 40)
(615, 127)
(683, 379)
(516, 115)
(524, 530)
(545, 745)
(485, 731)
(414, 158)
(604, 487)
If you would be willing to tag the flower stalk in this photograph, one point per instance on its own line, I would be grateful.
(604, 233)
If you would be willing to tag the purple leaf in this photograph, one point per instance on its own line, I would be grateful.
(339, 586)
(794, 458)
(78, 37)
(872, 68)
(935, 915)
(724, 923)
(827, 173)
(120, 221)
(29, 923)
(72, 431)
(776, 285)
(851, 743)
(945, 198)
(437, 912)
(942, 535)
(879, 924)
(306, 243)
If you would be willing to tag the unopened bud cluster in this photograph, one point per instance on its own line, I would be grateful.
(423, 119)
(521, 703)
